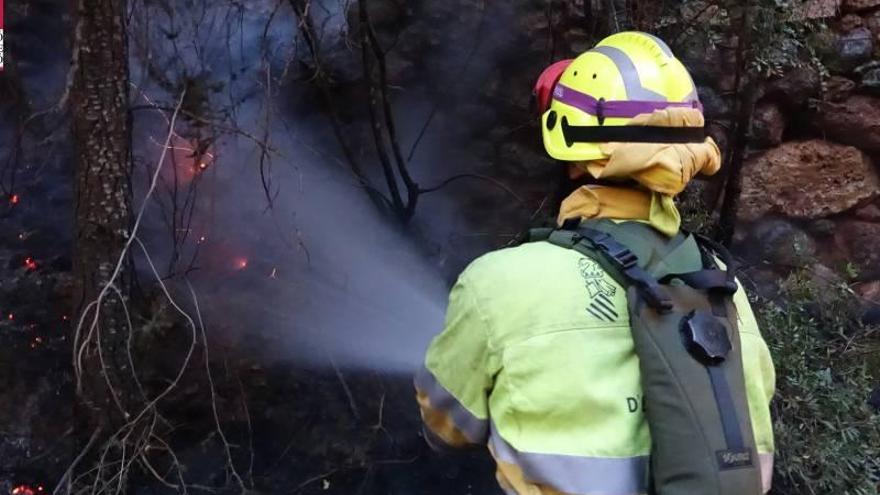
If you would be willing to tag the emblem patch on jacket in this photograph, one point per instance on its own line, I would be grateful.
(600, 290)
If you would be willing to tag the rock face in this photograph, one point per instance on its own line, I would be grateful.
(795, 87)
(768, 124)
(871, 81)
(818, 9)
(859, 5)
(710, 64)
(872, 22)
(868, 213)
(852, 49)
(855, 121)
(807, 179)
(780, 242)
(850, 22)
(858, 240)
(714, 105)
(869, 291)
(870, 74)
(839, 88)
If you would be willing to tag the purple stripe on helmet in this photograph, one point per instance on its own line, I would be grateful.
(615, 108)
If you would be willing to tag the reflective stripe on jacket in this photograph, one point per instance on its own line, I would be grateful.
(537, 362)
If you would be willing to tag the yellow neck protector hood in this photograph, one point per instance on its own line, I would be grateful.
(662, 170)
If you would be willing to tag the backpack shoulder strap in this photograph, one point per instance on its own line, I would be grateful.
(711, 279)
(614, 257)
(627, 269)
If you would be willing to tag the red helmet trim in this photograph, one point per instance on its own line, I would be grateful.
(543, 91)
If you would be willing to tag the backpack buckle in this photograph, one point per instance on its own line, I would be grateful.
(621, 255)
(626, 258)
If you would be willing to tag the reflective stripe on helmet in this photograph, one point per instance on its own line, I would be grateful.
(627, 69)
(576, 474)
(474, 428)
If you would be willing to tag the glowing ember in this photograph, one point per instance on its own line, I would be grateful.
(65, 317)
(201, 239)
(30, 263)
(28, 490)
(14, 199)
(10, 316)
(203, 165)
(241, 263)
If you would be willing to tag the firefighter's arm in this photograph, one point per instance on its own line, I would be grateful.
(455, 381)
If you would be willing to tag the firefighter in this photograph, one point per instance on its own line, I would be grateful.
(614, 354)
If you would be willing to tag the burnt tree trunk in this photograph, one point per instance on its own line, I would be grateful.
(746, 87)
(102, 137)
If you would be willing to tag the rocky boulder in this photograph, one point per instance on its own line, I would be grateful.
(850, 22)
(868, 213)
(794, 87)
(858, 241)
(839, 88)
(871, 81)
(780, 243)
(714, 105)
(859, 5)
(870, 74)
(855, 121)
(872, 22)
(807, 179)
(869, 291)
(768, 124)
(818, 9)
(851, 50)
(710, 63)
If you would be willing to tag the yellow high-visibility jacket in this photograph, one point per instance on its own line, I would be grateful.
(537, 362)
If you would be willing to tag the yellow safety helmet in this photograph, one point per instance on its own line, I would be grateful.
(591, 100)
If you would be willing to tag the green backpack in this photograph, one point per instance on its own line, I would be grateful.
(684, 327)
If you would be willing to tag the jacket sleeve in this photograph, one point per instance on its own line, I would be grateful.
(454, 384)
(760, 378)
